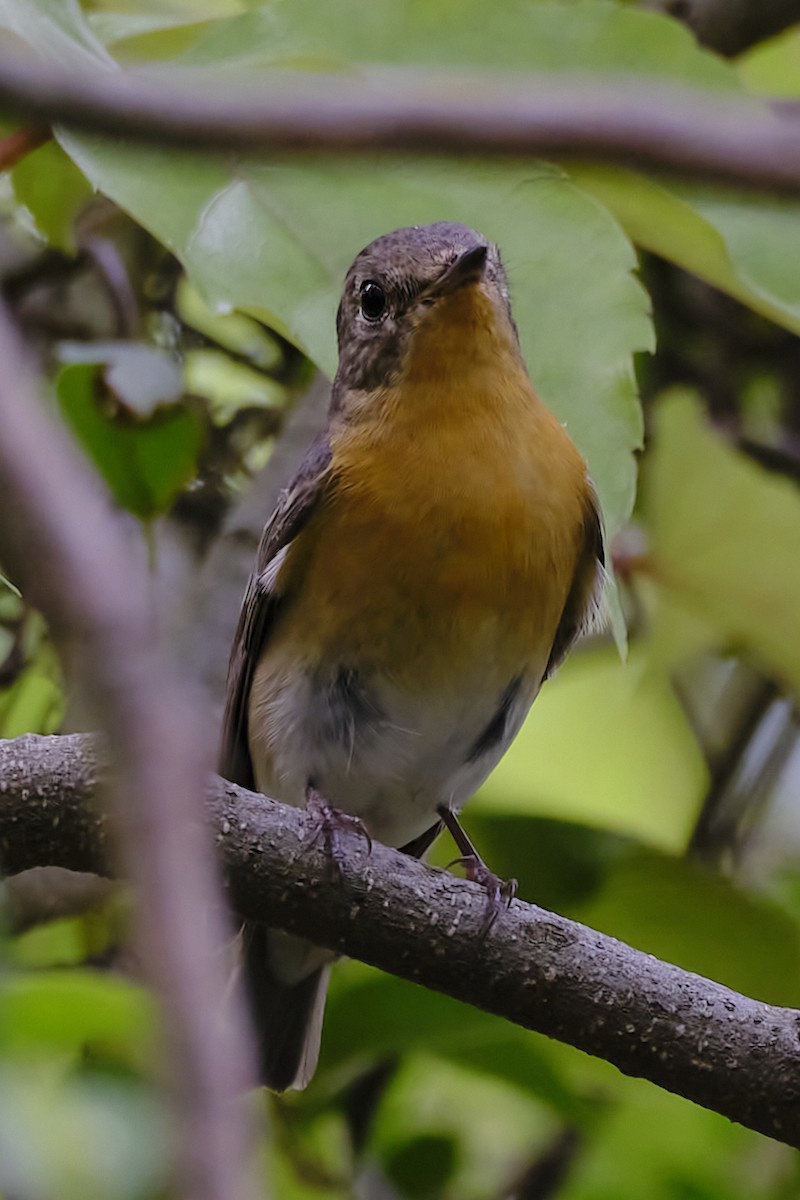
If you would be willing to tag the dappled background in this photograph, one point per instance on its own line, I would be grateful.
(183, 309)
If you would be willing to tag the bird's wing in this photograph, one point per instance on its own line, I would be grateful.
(260, 604)
(583, 599)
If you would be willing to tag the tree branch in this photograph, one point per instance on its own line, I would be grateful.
(21, 142)
(699, 133)
(722, 1050)
(60, 542)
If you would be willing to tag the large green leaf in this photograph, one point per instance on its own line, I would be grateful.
(725, 535)
(274, 240)
(589, 35)
(269, 239)
(763, 242)
(743, 245)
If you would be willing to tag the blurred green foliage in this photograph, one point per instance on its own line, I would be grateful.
(179, 324)
(145, 461)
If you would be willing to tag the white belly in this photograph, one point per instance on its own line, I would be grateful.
(389, 759)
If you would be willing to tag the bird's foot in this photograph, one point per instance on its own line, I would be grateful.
(330, 822)
(499, 892)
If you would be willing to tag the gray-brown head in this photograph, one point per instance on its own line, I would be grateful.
(406, 288)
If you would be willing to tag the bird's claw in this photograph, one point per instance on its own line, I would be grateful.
(329, 823)
(499, 892)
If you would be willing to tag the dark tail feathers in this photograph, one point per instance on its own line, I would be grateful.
(287, 1017)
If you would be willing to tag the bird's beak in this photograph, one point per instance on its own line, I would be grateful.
(469, 267)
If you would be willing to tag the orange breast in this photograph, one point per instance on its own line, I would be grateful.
(449, 539)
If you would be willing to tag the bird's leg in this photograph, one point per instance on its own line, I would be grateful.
(499, 891)
(329, 823)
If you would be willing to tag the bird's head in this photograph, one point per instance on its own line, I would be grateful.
(420, 305)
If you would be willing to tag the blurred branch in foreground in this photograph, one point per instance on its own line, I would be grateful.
(737, 1056)
(61, 542)
(689, 130)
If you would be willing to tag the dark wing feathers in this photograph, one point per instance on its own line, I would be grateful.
(294, 507)
(584, 596)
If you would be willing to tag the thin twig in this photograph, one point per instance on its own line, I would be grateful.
(737, 1056)
(704, 134)
(20, 143)
(712, 833)
(60, 542)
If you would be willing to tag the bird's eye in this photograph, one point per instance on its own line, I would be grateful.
(373, 300)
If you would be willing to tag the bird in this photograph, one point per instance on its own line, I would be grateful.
(437, 554)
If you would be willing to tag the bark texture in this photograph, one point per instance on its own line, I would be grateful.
(685, 1033)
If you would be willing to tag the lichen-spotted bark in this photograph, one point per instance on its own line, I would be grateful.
(696, 1038)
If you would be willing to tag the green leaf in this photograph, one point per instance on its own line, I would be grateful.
(56, 30)
(650, 1143)
(686, 915)
(145, 463)
(54, 944)
(142, 377)
(240, 334)
(422, 1166)
(585, 35)
(493, 1128)
(229, 386)
(743, 245)
(402, 1017)
(151, 33)
(68, 1009)
(406, 1019)
(34, 703)
(762, 238)
(725, 534)
(70, 941)
(84, 1138)
(773, 67)
(54, 191)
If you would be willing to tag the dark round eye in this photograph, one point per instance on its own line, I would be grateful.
(373, 300)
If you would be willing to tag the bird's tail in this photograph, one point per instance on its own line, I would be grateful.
(287, 1016)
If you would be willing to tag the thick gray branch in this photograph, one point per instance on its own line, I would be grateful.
(698, 133)
(694, 1037)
